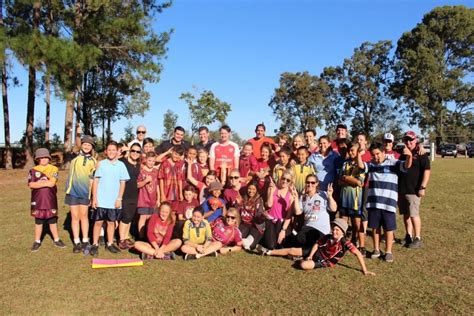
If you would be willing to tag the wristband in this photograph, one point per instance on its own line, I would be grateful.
(422, 188)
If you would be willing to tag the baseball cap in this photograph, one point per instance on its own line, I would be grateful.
(342, 224)
(388, 136)
(42, 153)
(215, 186)
(410, 135)
(88, 139)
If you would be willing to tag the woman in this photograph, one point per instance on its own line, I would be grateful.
(232, 194)
(265, 166)
(252, 225)
(298, 141)
(159, 232)
(279, 201)
(324, 162)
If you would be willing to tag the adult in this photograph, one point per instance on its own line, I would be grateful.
(260, 139)
(233, 193)
(204, 141)
(324, 162)
(341, 133)
(252, 225)
(411, 189)
(388, 140)
(310, 138)
(224, 154)
(141, 134)
(177, 139)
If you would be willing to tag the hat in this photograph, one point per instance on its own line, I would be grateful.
(388, 136)
(88, 139)
(42, 153)
(410, 134)
(344, 126)
(215, 186)
(342, 224)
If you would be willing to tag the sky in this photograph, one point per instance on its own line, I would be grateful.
(238, 49)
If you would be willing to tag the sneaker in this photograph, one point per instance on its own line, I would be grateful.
(363, 252)
(36, 246)
(214, 254)
(130, 242)
(77, 248)
(169, 256)
(189, 257)
(123, 245)
(408, 240)
(145, 256)
(101, 241)
(86, 248)
(261, 250)
(59, 244)
(94, 250)
(388, 257)
(375, 254)
(112, 248)
(417, 243)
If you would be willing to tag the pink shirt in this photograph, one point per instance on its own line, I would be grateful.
(280, 206)
(227, 235)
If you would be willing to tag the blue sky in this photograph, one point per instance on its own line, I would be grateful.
(238, 49)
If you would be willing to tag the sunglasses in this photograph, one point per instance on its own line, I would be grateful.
(230, 217)
(135, 151)
(141, 132)
(286, 179)
(234, 178)
(311, 182)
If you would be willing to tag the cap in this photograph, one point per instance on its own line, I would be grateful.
(389, 136)
(215, 186)
(88, 139)
(342, 224)
(410, 134)
(42, 153)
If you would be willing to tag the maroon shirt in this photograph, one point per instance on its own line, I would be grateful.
(159, 231)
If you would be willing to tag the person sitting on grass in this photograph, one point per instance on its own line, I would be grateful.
(252, 224)
(326, 252)
(214, 205)
(44, 202)
(159, 232)
(197, 236)
(226, 233)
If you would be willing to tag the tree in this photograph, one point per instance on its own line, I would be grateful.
(128, 134)
(361, 86)
(301, 102)
(205, 110)
(169, 123)
(6, 116)
(434, 65)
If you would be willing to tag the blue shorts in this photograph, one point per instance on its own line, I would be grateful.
(106, 214)
(146, 210)
(72, 200)
(382, 218)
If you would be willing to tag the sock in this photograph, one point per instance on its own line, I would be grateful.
(85, 240)
(38, 241)
(77, 241)
(109, 244)
(102, 233)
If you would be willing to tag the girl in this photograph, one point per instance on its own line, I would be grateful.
(197, 236)
(44, 203)
(200, 168)
(298, 141)
(283, 163)
(202, 186)
(252, 225)
(78, 189)
(148, 192)
(159, 232)
(265, 166)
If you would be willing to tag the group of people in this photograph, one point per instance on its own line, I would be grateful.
(272, 196)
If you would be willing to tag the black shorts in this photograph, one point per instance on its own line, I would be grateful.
(382, 218)
(106, 214)
(307, 237)
(72, 200)
(129, 210)
(49, 221)
(145, 210)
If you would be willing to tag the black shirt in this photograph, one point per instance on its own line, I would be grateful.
(206, 146)
(131, 189)
(410, 182)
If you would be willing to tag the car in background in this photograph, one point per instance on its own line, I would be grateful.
(461, 148)
(470, 149)
(449, 150)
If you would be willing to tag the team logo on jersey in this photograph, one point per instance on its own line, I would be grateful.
(37, 174)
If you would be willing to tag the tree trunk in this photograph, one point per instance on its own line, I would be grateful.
(48, 110)
(6, 119)
(30, 115)
(68, 122)
(103, 133)
(109, 132)
(77, 133)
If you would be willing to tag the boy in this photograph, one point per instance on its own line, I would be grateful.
(214, 205)
(247, 163)
(302, 169)
(382, 194)
(44, 203)
(107, 192)
(172, 176)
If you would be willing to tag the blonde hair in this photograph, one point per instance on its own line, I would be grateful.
(237, 215)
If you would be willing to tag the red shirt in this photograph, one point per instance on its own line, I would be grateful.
(173, 175)
(227, 154)
(258, 142)
(247, 164)
(186, 208)
(199, 171)
(227, 235)
(231, 195)
(147, 195)
(262, 166)
(159, 231)
(392, 155)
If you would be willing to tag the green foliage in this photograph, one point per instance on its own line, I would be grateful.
(169, 123)
(206, 109)
(434, 67)
(301, 102)
(128, 134)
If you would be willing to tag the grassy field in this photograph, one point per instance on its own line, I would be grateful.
(436, 279)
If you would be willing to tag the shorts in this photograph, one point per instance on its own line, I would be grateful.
(72, 200)
(49, 221)
(382, 218)
(145, 210)
(129, 210)
(106, 214)
(307, 236)
(318, 261)
(365, 213)
(353, 213)
(409, 204)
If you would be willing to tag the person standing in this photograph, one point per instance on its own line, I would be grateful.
(260, 139)
(311, 142)
(204, 141)
(176, 140)
(224, 155)
(411, 189)
(141, 134)
(341, 133)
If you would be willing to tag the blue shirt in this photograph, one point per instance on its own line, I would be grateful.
(315, 210)
(217, 213)
(325, 168)
(110, 173)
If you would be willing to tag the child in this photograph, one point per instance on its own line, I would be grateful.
(184, 209)
(197, 235)
(214, 205)
(159, 232)
(107, 193)
(382, 195)
(78, 190)
(302, 169)
(44, 203)
(171, 175)
(148, 192)
(210, 177)
(327, 252)
(247, 163)
(283, 163)
(200, 168)
(265, 166)
(252, 225)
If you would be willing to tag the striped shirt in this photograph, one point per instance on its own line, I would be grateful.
(383, 184)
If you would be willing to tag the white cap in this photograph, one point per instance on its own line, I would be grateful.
(389, 136)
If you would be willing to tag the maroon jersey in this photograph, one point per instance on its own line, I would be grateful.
(227, 235)
(148, 194)
(44, 202)
(186, 208)
(247, 164)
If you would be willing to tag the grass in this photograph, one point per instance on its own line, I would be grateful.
(436, 279)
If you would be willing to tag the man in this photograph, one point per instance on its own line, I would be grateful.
(341, 133)
(388, 140)
(310, 138)
(141, 134)
(411, 188)
(259, 139)
(177, 139)
(224, 155)
(204, 141)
